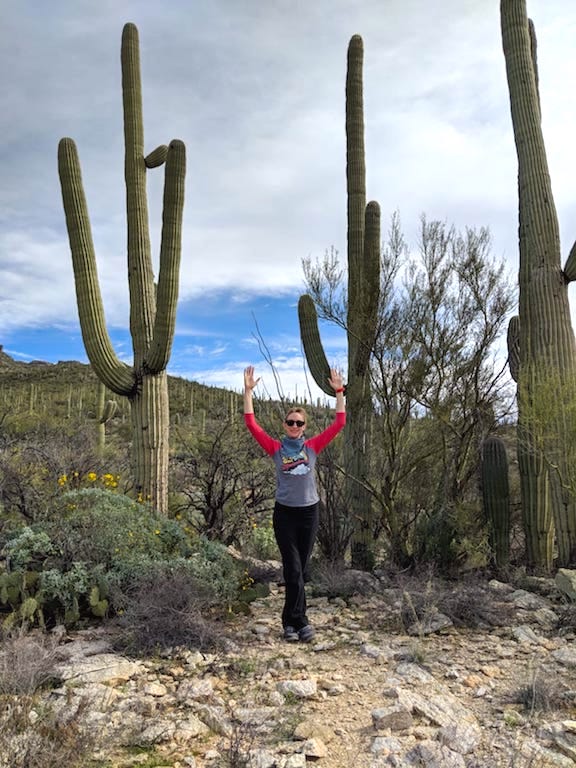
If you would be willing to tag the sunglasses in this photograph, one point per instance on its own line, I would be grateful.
(292, 422)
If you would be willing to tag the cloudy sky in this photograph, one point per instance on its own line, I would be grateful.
(255, 89)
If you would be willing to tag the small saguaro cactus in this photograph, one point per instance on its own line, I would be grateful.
(496, 497)
(363, 239)
(152, 307)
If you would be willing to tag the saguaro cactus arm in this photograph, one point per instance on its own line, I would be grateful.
(157, 157)
(313, 350)
(570, 267)
(116, 375)
(368, 295)
(170, 252)
(513, 341)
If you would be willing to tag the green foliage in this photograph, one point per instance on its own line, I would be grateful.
(452, 539)
(96, 550)
(29, 549)
(213, 565)
(99, 527)
(260, 542)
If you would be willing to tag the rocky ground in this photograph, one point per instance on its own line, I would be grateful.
(390, 680)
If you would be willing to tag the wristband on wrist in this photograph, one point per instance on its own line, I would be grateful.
(339, 390)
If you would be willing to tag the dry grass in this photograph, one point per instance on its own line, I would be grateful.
(167, 612)
(27, 663)
(32, 736)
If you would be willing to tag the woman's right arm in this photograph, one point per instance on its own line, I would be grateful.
(262, 438)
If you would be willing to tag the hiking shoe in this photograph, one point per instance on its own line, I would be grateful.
(306, 634)
(290, 634)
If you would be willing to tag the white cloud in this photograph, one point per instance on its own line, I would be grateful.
(256, 91)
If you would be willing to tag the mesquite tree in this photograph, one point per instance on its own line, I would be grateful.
(152, 307)
(363, 238)
(543, 331)
(436, 389)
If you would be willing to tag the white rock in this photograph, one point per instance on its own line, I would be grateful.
(104, 667)
(565, 580)
(302, 689)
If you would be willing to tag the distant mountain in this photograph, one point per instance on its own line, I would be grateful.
(64, 372)
(68, 387)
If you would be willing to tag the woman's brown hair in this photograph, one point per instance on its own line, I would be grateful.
(299, 410)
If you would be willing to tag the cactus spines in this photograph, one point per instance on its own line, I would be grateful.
(152, 308)
(547, 347)
(496, 497)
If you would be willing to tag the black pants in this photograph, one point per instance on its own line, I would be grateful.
(295, 529)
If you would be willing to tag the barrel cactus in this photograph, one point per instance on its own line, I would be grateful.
(152, 306)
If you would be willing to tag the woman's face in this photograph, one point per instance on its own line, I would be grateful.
(294, 424)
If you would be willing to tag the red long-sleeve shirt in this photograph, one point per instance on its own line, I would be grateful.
(295, 477)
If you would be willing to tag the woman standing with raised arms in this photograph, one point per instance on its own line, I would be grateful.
(296, 506)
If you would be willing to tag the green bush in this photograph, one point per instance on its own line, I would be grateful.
(28, 550)
(97, 551)
(98, 527)
(261, 542)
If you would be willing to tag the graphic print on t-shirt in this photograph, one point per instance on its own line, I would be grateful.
(294, 463)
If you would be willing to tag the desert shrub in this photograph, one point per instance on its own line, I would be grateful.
(167, 606)
(260, 541)
(217, 485)
(541, 693)
(34, 736)
(30, 467)
(90, 557)
(28, 550)
(27, 663)
(451, 538)
(470, 605)
(214, 572)
(95, 526)
(331, 579)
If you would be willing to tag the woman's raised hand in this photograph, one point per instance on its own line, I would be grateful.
(336, 381)
(249, 381)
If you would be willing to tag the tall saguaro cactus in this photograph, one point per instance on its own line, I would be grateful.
(547, 350)
(152, 307)
(362, 316)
